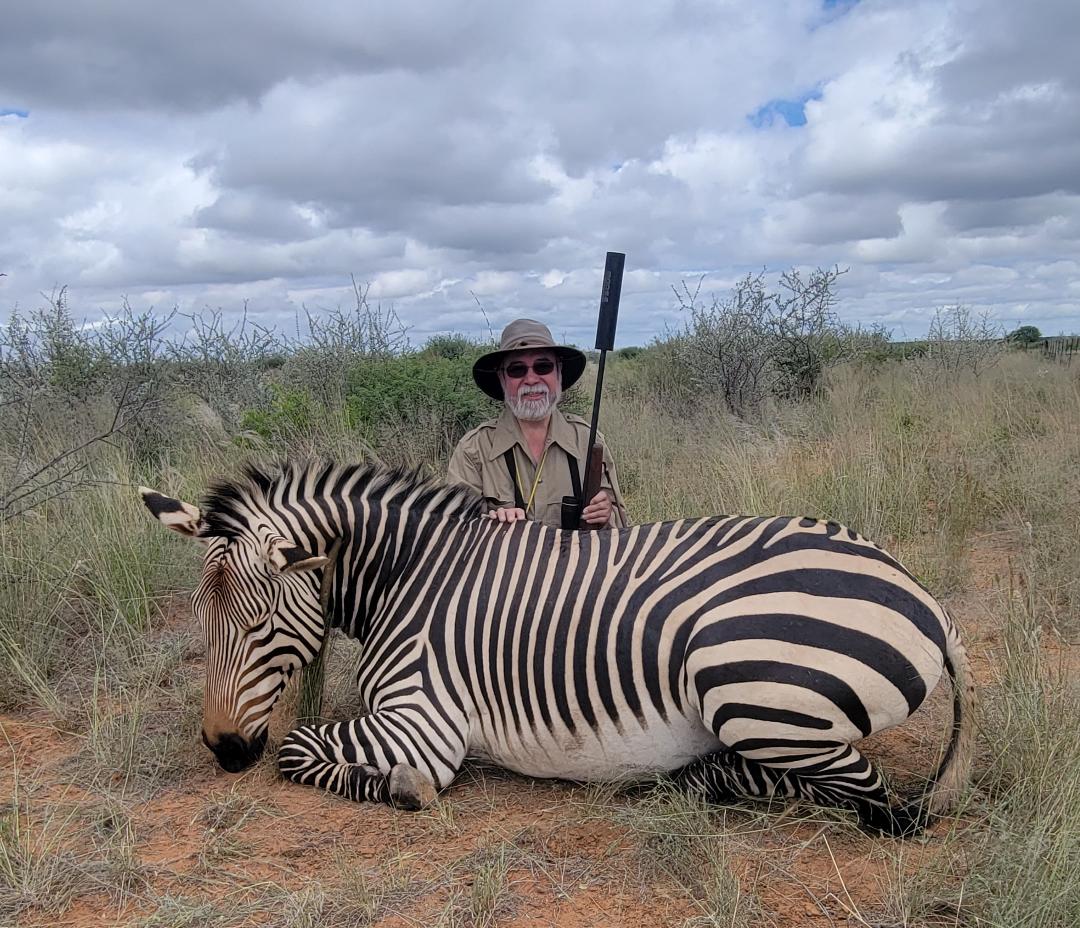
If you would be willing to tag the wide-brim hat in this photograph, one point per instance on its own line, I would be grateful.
(526, 335)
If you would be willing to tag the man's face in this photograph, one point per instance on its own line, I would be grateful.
(531, 394)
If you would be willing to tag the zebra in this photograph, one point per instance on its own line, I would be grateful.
(742, 655)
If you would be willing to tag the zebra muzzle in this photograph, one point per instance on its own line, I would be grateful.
(234, 753)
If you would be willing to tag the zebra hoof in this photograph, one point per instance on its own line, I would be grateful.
(410, 789)
(905, 821)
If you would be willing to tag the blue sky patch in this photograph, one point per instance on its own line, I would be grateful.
(831, 11)
(8, 111)
(793, 112)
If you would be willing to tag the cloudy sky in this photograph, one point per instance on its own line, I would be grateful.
(454, 154)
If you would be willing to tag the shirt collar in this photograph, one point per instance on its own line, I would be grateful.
(562, 433)
(508, 433)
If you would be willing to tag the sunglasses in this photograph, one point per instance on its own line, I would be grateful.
(518, 369)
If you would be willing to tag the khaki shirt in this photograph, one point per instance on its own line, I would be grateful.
(478, 462)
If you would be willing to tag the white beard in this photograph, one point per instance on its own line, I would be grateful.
(535, 409)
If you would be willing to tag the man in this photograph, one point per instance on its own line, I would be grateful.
(527, 460)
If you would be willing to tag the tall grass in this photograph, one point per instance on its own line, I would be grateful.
(34, 616)
(1027, 863)
(1013, 856)
(38, 870)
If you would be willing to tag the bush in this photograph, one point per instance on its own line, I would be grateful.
(67, 390)
(1024, 336)
(400, 393)
(223, 364)
(759, 344)
(289, 414)
(962, 342)
(654, 374)
(451, 347)
(339, 340)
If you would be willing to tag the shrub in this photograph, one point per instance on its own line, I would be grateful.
(339, 340)
(451, 347)
(402, 392)
(1024, 336)
(654, 374)
(67, 390)
(962, 342)
(290, 413)
(758, 344)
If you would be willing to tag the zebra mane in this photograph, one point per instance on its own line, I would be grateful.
(228, 503)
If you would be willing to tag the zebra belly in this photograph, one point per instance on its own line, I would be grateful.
(603, 754)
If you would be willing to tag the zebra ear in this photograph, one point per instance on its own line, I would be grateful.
(292, 559)
(174, 513)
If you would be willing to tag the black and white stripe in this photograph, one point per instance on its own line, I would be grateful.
(748, 654)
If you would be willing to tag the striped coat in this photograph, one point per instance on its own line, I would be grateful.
(744, 655)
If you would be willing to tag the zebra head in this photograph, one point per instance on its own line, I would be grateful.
(259, 607)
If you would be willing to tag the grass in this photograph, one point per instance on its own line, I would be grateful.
(93, 639)
(38, 869)
(1012, 857)
(489, 897)
(1027, 862)
(138, 720)
(362, 896)
(223, 818)
(115, 839)
(173, 911)
(684, 837)
(34, 606)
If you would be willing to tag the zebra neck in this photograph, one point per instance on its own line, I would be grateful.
(388, 548)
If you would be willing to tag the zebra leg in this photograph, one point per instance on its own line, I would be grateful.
(842, 777)
(839, 776)
(725, 776)
(355, 760)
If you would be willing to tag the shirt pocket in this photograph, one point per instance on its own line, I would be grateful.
(551, 514)
(498, 494)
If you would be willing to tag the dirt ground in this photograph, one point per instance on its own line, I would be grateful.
(497, 850)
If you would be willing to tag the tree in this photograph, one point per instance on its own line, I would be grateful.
(1025, 335)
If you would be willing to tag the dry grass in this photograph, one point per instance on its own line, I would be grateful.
(694, 847)
(90, 642)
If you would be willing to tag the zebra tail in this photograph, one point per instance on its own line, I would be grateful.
(954, 771)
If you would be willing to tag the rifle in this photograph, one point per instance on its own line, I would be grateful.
(605, 341)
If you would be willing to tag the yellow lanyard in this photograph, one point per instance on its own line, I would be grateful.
(536, 481)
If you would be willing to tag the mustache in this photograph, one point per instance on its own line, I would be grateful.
(533, 402)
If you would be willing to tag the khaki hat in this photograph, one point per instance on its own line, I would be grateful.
(525, 335)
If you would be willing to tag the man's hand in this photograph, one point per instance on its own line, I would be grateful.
(598, 512)
(508, 515)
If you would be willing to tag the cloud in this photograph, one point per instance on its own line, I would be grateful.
(442, 154)
(199, 55)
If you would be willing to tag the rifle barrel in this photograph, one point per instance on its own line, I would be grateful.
(610, 294)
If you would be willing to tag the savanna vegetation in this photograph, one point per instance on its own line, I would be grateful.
(961, 454)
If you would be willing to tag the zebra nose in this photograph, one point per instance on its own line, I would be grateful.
(234, 753)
